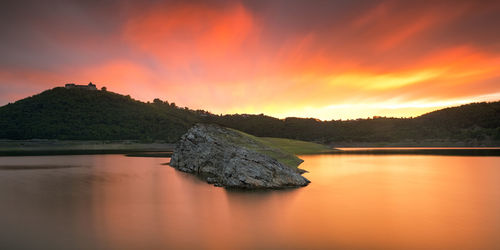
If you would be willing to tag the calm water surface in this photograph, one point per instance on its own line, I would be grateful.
(353, 202)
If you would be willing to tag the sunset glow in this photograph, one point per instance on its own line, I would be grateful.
(325, 59)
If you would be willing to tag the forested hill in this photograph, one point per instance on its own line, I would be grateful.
(62, 113)
(472, 124)
(83, 114)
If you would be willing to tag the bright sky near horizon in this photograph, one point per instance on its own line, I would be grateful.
(321, 59)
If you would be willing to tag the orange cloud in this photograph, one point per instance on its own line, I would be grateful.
(181, 34)
(303, 59)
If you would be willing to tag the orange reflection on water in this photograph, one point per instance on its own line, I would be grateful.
(406, 201)
(354, 201)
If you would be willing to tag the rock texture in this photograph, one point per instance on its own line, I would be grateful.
(225, 157)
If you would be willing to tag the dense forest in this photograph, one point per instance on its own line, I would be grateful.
(471, 124)
(81, 114)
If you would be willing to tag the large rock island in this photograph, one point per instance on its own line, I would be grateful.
(233, 159)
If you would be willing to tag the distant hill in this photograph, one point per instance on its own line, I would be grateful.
(475, 124)
(83, 114)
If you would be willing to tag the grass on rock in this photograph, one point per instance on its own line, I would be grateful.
(283, 150)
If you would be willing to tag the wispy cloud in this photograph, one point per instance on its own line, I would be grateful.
(325, 60)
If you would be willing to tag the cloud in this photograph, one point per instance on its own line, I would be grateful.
(327, 59)
(181, 35)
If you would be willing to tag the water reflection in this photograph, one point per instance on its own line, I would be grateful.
(354, 201)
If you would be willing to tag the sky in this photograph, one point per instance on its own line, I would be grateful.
(321, 59)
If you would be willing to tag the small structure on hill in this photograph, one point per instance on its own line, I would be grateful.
(90, 86)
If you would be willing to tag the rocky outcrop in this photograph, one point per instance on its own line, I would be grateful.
(232, 159)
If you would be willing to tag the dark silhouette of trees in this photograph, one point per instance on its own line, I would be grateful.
(62, 113)
(92, 115)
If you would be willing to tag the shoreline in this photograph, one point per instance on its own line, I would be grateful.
(446, 151)
(424, 143)
(75, 147)
(40, 147)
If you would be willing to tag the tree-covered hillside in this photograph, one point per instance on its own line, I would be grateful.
(62, 113)
(82, 114)
(472, 124)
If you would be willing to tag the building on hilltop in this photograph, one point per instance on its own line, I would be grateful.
(90, 86)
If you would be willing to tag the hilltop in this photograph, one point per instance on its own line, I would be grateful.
(81, 114)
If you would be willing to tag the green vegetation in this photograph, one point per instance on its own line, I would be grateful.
(292, 147)
(265, 146)
(296, 147)
(78, 114)
(79, 147)
(476, 124)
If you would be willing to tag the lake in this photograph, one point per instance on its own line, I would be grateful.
(353, 202)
